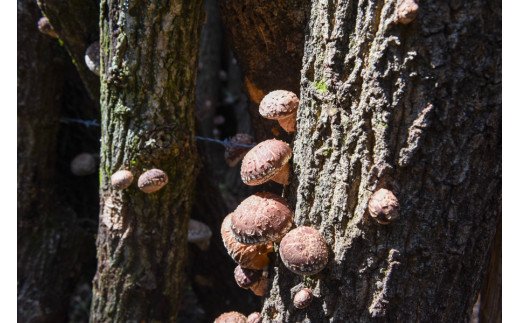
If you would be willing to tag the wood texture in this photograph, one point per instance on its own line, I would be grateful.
(412, 108)
(148, 65)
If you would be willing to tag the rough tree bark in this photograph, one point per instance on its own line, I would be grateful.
(148, 63)
(51, 237)
(414, 109)
(77, 24)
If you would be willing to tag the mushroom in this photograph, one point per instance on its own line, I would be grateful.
(92, 57)
(281, 105)
(152, 180)
(406, 11)
(383, 206)
(254, 317)
(45, 27)
(83, 164)
(304, 251)
(302, 298)
(246, 277)
(121, 179)
(237, 149)
(247, 256)
(269, 160)
(260, 287)
(231, 317)
(199, 233)
(262, 217)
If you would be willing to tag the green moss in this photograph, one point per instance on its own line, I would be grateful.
(320, 86)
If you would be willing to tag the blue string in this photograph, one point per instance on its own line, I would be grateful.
(93, 123)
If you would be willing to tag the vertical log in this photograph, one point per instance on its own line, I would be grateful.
(148, 67)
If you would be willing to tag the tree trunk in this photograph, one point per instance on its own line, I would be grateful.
(148, 65)
(267, 38)
(77, 24)
(412, 108)
(53, 245)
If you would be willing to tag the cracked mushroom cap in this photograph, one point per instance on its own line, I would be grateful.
(262, 217)
(83, 164)
(152, 180)
(92, 57)
(199, 233)
(269, 160)
(246, 277)
(304, 251)
(237, 148)
(231, 317)
(302, 298)
(383, 206)
(280, 105)
(254, 317)
(121, 179)
(247, 256)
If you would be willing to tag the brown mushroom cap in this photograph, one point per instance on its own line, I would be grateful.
(247, 256)
(121, 179)
(199, 233)
(260, 218)
(304, 251)
(267, 160)
(152, 180)
(302, 298)
(92, 57)
(234, 153)
(254, 317)
(407, 11)
(280, 105)
(383, 206)
(231, 317)
(83, 164)
(246, 277)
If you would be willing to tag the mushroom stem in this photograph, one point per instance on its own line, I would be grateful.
(288, 123)
(282, 177)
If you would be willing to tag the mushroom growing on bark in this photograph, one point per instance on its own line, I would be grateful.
(281, 105)
(262, 217)
(269, 160)
(246, 277)
(247, 256)
(152, 180)
(92, 57)
(231, 317)
(383, 206)
(83, 164)
(45, 27)
(302, 298)
(254, 317)
(121, 179)
(304, 251)
(406, 11)
(259, 288)
(236, 150)
(199, 233)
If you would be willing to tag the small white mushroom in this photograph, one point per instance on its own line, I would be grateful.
(199, 234)
(83, 164)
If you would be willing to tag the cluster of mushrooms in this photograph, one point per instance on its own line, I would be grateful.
(264, 219)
